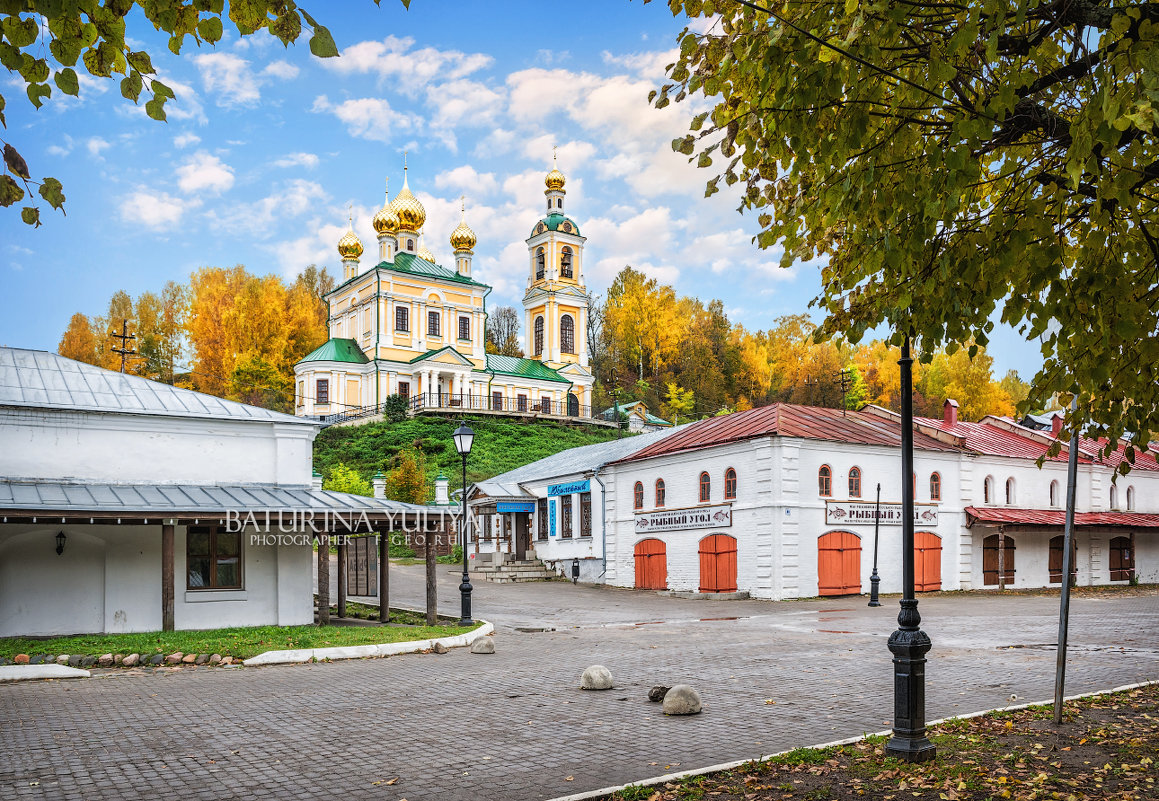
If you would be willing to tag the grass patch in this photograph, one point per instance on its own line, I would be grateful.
(1105, 749)
(240, 643)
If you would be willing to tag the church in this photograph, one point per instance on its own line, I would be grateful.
(412, 328)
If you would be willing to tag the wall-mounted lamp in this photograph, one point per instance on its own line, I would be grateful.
(60, 538)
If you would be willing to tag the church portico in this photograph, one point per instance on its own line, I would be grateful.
(409, 327)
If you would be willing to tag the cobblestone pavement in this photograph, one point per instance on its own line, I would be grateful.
(515, 725)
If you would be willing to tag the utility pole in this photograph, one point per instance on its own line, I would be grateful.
(124, 336)
(616, 405)
(845, 378)
(1067, 545)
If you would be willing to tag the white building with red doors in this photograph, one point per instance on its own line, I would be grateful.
(779, 502)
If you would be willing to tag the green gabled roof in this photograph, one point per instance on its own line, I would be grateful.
(554, 220)
(430, 353)
(412, 265)
(337, 350)
(523, 368)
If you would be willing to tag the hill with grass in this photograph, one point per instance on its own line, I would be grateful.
(500, 445)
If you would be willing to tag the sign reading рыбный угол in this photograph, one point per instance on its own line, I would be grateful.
(862, 513)
(696, 517)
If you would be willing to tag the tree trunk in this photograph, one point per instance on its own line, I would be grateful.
(432, 591)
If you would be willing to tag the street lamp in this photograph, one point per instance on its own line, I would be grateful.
(463, 437)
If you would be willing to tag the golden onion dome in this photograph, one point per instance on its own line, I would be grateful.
(350, 246)
(463, 238)
(411, 214)
(425, 253)
(554, 180)
(385, 220)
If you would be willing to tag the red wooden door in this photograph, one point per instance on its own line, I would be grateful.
(927, 561)
(651, 565)
(838, 563)
(718, 563)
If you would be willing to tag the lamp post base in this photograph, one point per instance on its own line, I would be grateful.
(874, 585)
(909, 645)
(465, 590)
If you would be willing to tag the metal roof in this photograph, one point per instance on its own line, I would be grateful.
(991, 440)
(573, 461)
(337, 350)
(177, 500)
(786, 420)
(523, 368)
(1057, 517)
(39, 379)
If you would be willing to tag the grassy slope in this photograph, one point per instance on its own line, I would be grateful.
(500, 445)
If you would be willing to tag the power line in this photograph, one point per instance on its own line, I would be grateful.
(124, 336)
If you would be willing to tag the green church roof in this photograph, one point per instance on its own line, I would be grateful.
(523, 368)
(412, 265)
(338, 350)
(553, 222)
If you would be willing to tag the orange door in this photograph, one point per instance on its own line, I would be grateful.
(838, 564)
(651, 565)
(927, 561)
(718, 563)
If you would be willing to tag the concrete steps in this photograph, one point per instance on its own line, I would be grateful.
(512, 572)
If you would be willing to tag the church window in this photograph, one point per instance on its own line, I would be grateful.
(401, 318)
(410, 245)
(538, 336)
(464, 328)
(565, 263)
(404, 389)
(323, 392)
(433, 324)
(567, 334)
(540, 261)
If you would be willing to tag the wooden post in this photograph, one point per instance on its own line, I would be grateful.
(384, 576)
(432, 590)
(323, 580)
(342, 577)
(1001, 558)
(167, 578)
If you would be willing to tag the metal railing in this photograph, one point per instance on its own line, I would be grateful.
(448, 402)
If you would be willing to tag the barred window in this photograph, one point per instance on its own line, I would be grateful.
(464, 328)
(585, 514)
(323, 393)
(565, 516)
(433, 324)
(538, 336)
(567, 334)
(541, 526)
(401, 318)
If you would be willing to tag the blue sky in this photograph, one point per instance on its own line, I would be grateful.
(266, 146)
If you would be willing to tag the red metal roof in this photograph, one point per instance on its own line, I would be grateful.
(1057, 517)
(994, 441)
(787, 420)
(1144, 457)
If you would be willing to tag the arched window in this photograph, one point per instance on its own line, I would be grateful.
(659, 492)
(1114, 497)
(567, 334)
(565, 262)
(538, 336)
(539, 264)
(935, 487)
(730, 484)
(1130, 499)
(1054, 493)
(855, 482)
(639, 495)
(1010, 492)
(825, 481)
(988, 490)
(705, 488)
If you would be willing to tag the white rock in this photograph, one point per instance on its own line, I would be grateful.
(483, 645)
(682, 700)
(596, 677)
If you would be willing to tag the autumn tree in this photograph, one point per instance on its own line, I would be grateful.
(641, 318)
(680, 402)
(407, 480)
(56, 38)
(79, 340)
(502, 334)
(347, 479)
(953, 163)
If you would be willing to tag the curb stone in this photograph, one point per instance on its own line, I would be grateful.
(359, 651)
(686, 774)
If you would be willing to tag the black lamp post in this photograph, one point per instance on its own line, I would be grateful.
(464, 436)
(60, 538)
(874, 579)
(909, 643)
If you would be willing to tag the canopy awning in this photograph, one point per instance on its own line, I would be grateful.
(1057, 517)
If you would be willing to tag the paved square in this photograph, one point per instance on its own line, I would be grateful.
(515, 725)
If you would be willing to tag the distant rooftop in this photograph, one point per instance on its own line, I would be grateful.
(43, 380)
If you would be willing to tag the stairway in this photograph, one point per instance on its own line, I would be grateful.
(512, 571)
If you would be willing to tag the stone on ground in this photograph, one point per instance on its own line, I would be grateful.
(657, 693)
(21, 659)
(189, 659)
(156, 659)
(214, 659)
(439, 648)
(62, 659)
(174, 658)
(105, 660)
(682, 700)
(483, 645)
(201, 659)
(596, 677)
(131, 660)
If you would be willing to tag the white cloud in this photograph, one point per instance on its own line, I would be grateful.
(267, 217)
(154, 209)
(649, 64)
(95, 145)
(368, 117)
(465, 179)
(63, 148)
(281, 69)
(308, 160)
(732, 250)
(230, 77)
(204, 172)
(410, 70)
(185, 140)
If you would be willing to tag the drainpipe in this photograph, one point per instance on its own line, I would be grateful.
(603, 520)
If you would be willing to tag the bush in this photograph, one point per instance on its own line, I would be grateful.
(455, 557)
(395, 409)
(400, 550)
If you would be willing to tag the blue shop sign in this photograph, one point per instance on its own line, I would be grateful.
(551, 517)
(526, 507)
(568, 489)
